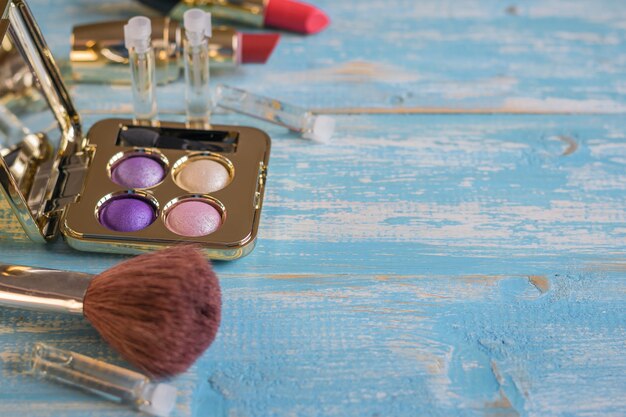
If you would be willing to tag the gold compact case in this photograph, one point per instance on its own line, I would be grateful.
(122, 187)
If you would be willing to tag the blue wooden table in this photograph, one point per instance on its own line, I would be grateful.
(459, 250)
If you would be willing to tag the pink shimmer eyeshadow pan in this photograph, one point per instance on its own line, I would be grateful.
(193, 218)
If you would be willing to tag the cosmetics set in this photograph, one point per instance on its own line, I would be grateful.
(126, 186)
(186, 191)
(130, 186)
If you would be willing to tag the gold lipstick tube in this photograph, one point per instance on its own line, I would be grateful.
(98, 53)
(249, 12)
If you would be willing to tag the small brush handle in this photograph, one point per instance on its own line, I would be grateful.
(42, 289)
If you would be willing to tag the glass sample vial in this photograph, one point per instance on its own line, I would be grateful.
(105, 380)
(137, 37)
(297, 119)
(196, 53)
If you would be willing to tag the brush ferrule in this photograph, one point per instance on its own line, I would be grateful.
(42, 289)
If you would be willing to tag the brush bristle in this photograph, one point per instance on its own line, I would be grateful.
(160, 311)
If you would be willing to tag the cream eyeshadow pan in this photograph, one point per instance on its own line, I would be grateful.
(202, 175)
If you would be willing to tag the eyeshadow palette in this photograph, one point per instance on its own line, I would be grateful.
(122, 187)
(210, 195)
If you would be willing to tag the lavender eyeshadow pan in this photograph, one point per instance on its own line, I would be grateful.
(138, 172)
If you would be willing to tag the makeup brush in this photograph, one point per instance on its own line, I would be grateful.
(160, 311)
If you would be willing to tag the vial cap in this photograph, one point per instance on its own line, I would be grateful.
(137, 33)
(198, 21)
(161, 402)
(323, 129)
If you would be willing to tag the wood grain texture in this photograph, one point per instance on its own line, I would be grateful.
(440, 265)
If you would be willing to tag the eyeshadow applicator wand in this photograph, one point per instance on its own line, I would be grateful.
(160, 311)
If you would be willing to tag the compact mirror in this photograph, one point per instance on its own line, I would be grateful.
(38, 124)
(28, 128)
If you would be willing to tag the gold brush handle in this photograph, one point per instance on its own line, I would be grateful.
(42, 289)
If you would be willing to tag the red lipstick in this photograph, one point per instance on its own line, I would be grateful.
(291, 15)
(295, 16)
(256, 48)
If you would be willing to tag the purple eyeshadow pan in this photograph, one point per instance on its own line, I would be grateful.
(127, 214)
(138, 172)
